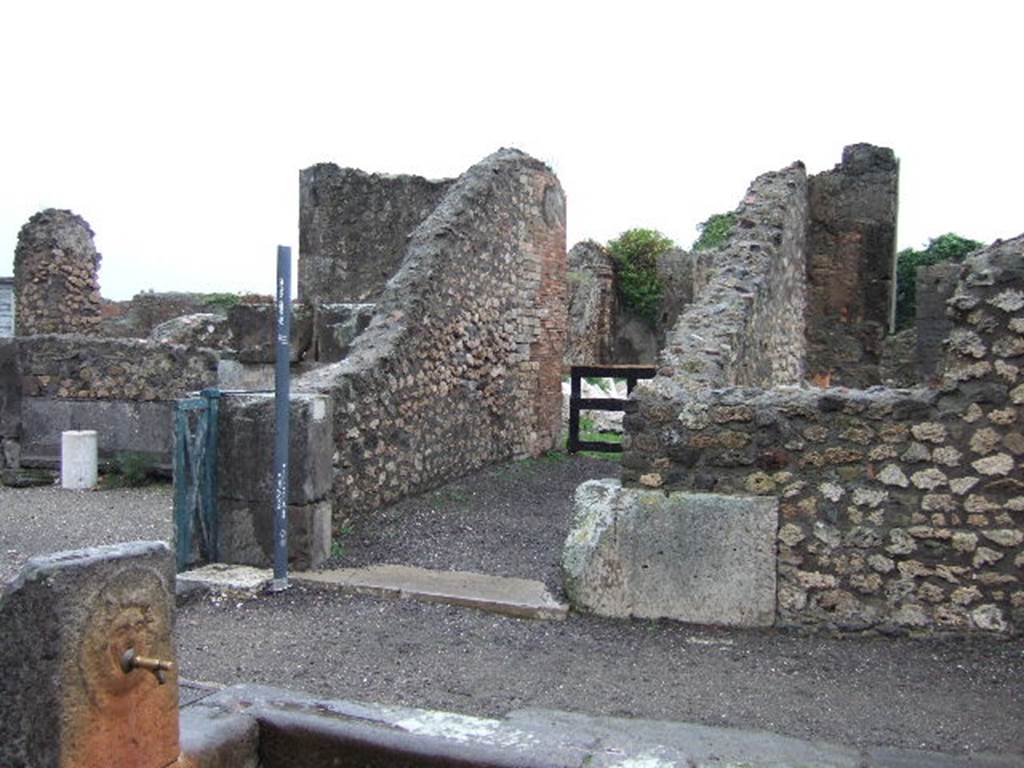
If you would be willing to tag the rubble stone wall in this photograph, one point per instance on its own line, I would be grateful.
(461, 363)
(899, 509)
(851, 247)
(746, 325)
(55, 275)
(72, 366)
(592, 305)
(354, 229)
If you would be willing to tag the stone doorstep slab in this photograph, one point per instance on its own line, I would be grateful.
(223, 577)
(522, 598)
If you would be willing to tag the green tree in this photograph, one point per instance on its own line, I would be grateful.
(948, 247)
(636, 253)
(714, 231)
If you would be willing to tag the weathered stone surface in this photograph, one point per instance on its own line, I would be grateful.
(523, 598)
(592, 305)
(700, 558)
(55, 275)
(67, 620)
(851, 247)
(145, 428)
(253, 331)
(336, 327)
(204, 329)
(461, 364)
(214, 738)
(746, 325)
(354, 228)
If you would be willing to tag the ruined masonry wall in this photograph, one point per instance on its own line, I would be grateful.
(899, 509)
(69, 366)
(592, 305)
(55, 275)
(851, 246)
(461, 364)
(747, 325)
(354, 229)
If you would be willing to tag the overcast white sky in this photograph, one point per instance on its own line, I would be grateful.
(178, 129)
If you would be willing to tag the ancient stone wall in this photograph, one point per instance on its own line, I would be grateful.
(602, 329)
(10, 405)
(746, 325)
(461, 364)
(6, 307)
(851, 248)
(55, 275)
(354, 229)
(899, 509)
(592, 305)
(70, 366)
(935, 284)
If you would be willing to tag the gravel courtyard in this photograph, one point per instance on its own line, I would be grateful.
(951, 695)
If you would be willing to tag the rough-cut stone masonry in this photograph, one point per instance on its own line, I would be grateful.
(10, 405)
(932, 324)
(138, 317)
(747, 325)
(6, 307)
(55, 275)
(461, 364)
(592, 305)
(851, 248)
(602, 330)
(70, 366)
(354, 229)
(899, 509)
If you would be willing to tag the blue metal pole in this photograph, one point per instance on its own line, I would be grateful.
(281, 397)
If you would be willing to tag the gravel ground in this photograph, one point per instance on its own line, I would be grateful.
(952, 695)
(35, 521)
(507, 520)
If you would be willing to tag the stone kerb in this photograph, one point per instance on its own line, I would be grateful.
(899, 509)
(461, 363)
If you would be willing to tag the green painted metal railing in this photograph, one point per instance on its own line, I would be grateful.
(195, 478)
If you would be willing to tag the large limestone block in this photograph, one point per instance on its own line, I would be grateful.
(694, 557)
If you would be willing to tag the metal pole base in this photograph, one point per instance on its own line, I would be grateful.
(279, 585)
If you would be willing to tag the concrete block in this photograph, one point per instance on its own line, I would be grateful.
(700, 558)
(78, 459)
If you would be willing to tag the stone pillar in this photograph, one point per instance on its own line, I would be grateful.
(55, 275)
(78, 451)
(851, 248)
(65, 699)
(591, 288)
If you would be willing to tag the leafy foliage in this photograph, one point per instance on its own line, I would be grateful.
(948, 247)
(636, 253)
(714, 231)
(222, 301)
(130, 470)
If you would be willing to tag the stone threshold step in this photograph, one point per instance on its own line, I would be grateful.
(522, 598)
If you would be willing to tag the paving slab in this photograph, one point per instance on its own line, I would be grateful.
(223, 577)
(523, 598)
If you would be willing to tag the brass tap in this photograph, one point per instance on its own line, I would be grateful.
(131, 660)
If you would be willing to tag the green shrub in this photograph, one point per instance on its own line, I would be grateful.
(714, 231)
(636, 253)
(948, 247)
(130, 470)
(222, 301)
